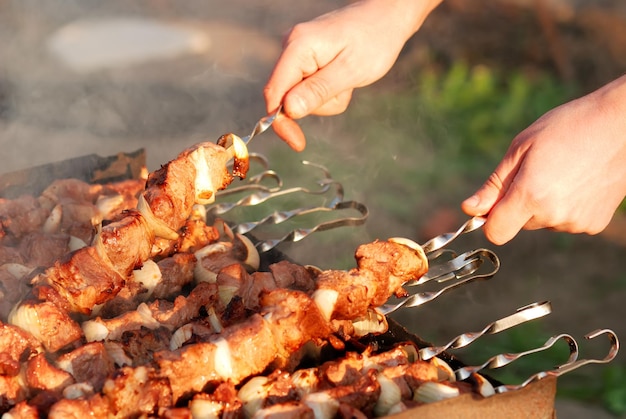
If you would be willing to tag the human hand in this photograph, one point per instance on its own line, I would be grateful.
(325, 59)
(566, 172)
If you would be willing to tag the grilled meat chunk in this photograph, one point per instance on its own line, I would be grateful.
(49, 323)
(85, 279)
(17, 346)
(383, 266)
(127, 240)
(43, 376)
(89, 363)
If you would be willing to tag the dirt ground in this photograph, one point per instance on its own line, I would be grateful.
(49, 113)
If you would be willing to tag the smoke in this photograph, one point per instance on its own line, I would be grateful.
(83, 77)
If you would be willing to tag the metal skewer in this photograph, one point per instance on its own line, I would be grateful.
(522, 315)
(458, 267)
(571, 364)
(501, 360)
(443, 240)
(425, 297)
(300, 233)
(263, 124)
(263, 194)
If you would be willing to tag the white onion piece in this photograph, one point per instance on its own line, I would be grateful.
(77, 391)
(411, 245)
(146, 315)
(390, 395)
(430, 392)
(444, 371)
(180, 336)
(53, 222)
(322, 404)
(484, 387)
(26, 317)
(223, 359)
(214, 320)
(226, 293)
(205, 409)
(202, 274)
(239, 148)
(75, 243)
(253, 260)
(253, 394)
(117, 353)
(397, 408)
(326, 300)
(198, 212)
(305, 381)
(94, 331)
(373, 322)
(108, 204)
(205, 190)
(313, 270)
(101, 249)
(223, 229)
(158, 226)
(411, 352)
(149, 275)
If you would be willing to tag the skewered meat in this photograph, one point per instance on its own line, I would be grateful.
(93, 275)
(234, 324)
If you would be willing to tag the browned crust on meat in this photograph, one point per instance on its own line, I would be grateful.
(127, 240)
(169, 194)
(17, 346)
(41, 375)
(84, 279)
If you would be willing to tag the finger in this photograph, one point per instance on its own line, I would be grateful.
(507, 217)
(499, 195)
(291, 68)
(336, 105)
(333, 82)
(486, 196)
(289, 131)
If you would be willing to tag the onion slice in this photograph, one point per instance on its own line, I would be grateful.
(158, 226)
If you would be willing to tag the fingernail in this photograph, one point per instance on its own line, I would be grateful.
(472, 201)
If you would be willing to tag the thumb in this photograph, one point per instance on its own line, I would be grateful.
(481, 202)
(325, 92)
(496, 186)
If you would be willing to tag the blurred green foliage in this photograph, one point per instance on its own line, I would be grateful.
(446, 132)
(469, 115)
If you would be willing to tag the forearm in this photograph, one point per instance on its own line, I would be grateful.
(404, 17)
